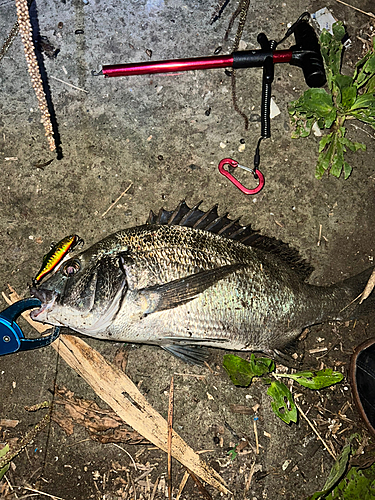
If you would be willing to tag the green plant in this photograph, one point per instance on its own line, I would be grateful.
(347, 482)
(242, 372)
(349, 97)
(4, 469)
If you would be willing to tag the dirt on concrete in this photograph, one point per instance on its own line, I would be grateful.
(164, 135)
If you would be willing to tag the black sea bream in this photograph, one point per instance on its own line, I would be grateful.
(190, 278)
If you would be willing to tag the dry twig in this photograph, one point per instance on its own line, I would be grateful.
(350, 303)
(315, 431)
(170, 427)
(201, 488)
(131, 458)
(320, 235)
(155, 488)
(356, 8)
(9, 40)
(69, 84)
(118, 199)
(42, 493)
(249, 479)
(256, 436)
(182, 485)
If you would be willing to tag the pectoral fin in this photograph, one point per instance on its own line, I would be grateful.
(178, 292)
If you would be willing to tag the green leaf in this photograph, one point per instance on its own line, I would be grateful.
(359, 65)
(327, 154)
(232, 453)
(348, 91)
(331, 154)
(337, 161)
(366, 116)
(316, 380)
(319, 171)
(326, 139)
(365, 70)
(369, 67)
(282, 405)
(338, 30)
(337, 472)
(353, 146)
(317, 102)
(370, 86)
(347, 170)
(356, 484)
(302, 127)
(242, 372)
(315, 105)
(329, 121)
(331, 49)
(363, 101)
(3, 452)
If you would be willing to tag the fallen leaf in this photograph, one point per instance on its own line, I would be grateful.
(6, 422)
(102, 425)
(369, 287)
(121, 358)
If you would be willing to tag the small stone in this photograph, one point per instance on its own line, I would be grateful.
(274, 109)
(316, 130)
(286, 464)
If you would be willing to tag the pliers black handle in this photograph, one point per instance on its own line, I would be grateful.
(11, 337)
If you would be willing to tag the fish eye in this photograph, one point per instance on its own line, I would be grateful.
(71, 267)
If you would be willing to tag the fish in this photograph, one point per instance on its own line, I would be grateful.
(57, 255)
(188, 280)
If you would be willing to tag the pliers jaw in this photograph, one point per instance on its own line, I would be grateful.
(11, 336)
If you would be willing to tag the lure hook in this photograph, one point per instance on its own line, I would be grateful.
(233, 163)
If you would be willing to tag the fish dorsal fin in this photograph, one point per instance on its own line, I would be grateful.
(231, 229)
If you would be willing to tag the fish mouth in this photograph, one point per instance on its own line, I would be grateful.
(47, 297)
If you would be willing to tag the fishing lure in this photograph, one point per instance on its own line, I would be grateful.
(56, 255)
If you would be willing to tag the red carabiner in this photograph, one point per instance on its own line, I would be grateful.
(234, 163)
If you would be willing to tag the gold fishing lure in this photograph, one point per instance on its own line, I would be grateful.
(56, 255)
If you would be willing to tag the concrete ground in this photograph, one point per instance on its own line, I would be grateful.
(165, 135)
